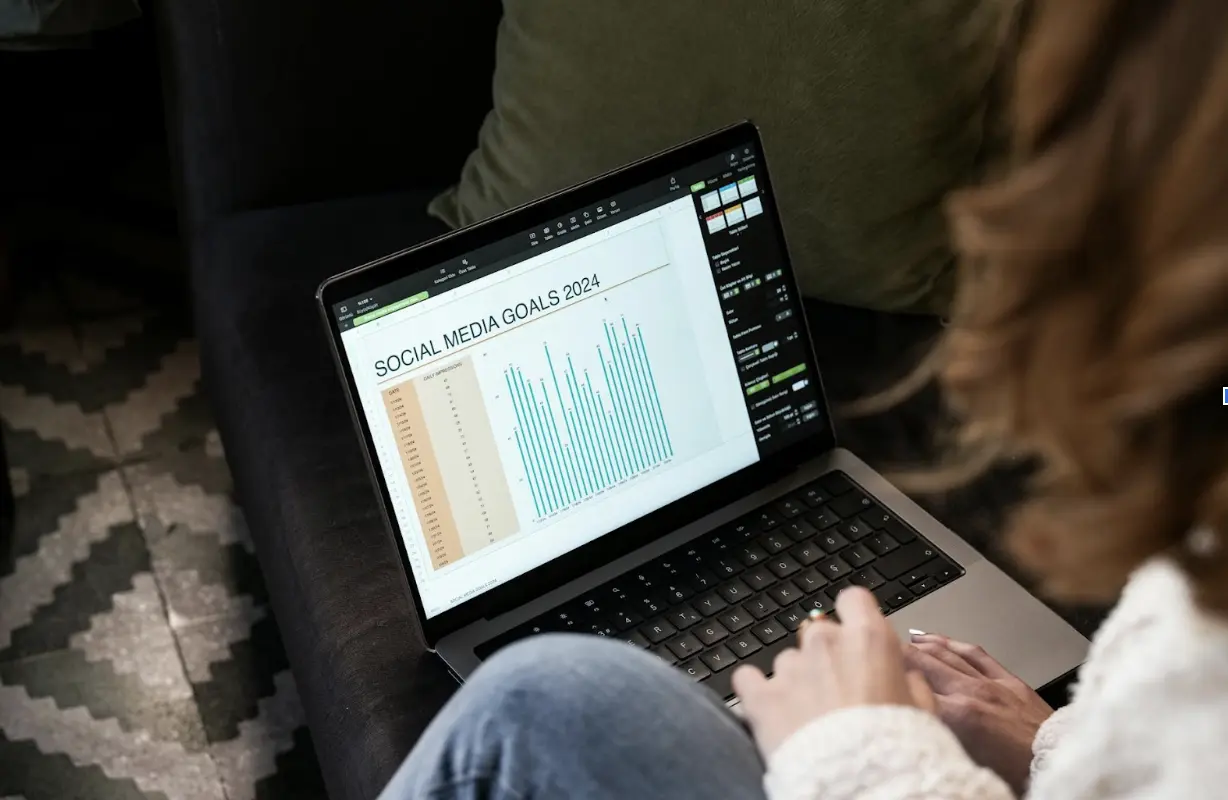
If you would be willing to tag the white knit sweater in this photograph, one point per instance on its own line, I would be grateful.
(1149, 719)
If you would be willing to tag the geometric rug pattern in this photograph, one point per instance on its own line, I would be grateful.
(138, 654)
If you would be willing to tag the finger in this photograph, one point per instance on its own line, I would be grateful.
(950, 658)
(942, 678)
(986, 664)
(816, 632)
(857, 608)
(748, 683)
(922, 694)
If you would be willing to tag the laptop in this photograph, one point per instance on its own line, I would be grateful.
(601, 413)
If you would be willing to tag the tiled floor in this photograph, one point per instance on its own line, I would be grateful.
(138, 656)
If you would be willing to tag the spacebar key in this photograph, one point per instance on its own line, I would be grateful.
(722, 682)
(908, 557)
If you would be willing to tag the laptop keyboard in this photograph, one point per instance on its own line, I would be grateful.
(736, 594)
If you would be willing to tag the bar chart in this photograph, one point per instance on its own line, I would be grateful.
(581, 431)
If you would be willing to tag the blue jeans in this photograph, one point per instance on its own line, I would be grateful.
(569, 716)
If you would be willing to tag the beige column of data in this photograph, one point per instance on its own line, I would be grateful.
(413, 439)
(464, 444)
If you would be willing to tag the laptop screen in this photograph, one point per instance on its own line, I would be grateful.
(551, 387)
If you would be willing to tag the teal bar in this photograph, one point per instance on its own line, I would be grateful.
(650, 408)
(599, 422)
(590, 419)
(641, 438)
(524, 463)
(543, 473)
(607, 426)
(556, 481)
(656, 397)
(624, 397)
(658, 452)
(577, 474)
(592, 454)
(623, 429)
(552, 431)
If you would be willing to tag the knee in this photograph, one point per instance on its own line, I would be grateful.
(556, 669)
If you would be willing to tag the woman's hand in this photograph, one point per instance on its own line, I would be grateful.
(994, 714)
(856, 662)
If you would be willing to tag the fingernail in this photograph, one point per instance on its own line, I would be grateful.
(916, 632)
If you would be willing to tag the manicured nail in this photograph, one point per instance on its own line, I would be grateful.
(914, 632)
(815, 613)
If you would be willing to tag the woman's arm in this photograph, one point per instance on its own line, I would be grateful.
(878, 753)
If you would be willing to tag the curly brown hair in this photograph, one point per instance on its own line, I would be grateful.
(1090, 328)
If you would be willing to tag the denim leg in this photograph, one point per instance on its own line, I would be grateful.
(569, 716)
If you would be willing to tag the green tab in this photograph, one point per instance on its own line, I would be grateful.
(397, 306)
(789, 373)
(758, 387)
(698, 187)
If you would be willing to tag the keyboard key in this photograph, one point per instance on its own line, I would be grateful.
(823, 519)
(751, 554)
(758, 579)
(814, 495)
(944, 572)
(719, 658)
(742, 530)
(789, 508)
(855, 529)
(735, 591)
(900, 531)
(894, 594)
(783, 565)
(850, 505)
(710, 632)
(868, 578)
(724, 565)
(835, 483)
(701, 580)
(685, 646)
(905, 559)
(650, 606)
(836, 588)
(833, 568)
(627, 619)
(923, 586)
(914, 575)
(709, 604)
(807, 553)
(775, 542)
(881, 543)
(677, 592)
(684, 617)
(876, 517)
(762, 606)
(736, 618)
(602, 628)
(658, 630)
(791, 618)
(695, 668)
(664, 653)
(817, 602)
(810, 581)
(799, 530)
(744, 644)
(786, 594)
(831, 541)
(767, 519)
(769, 631)
(858, 555)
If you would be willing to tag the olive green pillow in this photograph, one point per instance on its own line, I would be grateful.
(870, 110)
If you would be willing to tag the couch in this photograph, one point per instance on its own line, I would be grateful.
(307, 139)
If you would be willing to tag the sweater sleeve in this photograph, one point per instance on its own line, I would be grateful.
(878, 753)
(1049, 737)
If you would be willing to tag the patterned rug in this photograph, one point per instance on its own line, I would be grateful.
(138, 655)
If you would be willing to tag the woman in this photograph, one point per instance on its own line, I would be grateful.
(1091, 334)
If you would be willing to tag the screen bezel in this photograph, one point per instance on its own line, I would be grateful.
(646, 529)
